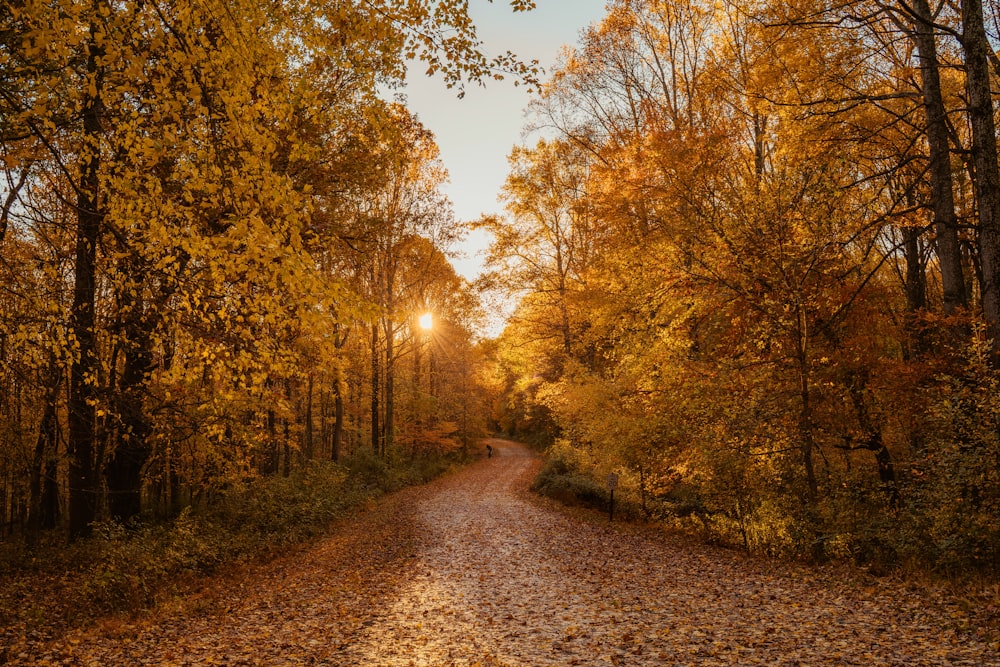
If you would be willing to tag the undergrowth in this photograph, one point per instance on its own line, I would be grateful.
(123, 569)
(566, 478)
(973, 598)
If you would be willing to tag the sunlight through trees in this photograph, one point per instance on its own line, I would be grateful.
(213, 232)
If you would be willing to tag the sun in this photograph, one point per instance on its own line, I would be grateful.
(426, 321)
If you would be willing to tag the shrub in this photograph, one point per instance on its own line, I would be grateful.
(950, 515)
(566, 477)
(123, 568)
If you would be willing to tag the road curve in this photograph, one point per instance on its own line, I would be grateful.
(472, 570)
(503, 580)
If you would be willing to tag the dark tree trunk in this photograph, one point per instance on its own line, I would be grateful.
(805, 409)
(976, 48)
(325, 432)
(338, 420)
(307, 434)
(390, 388)
(376, 389)
(269, 464)
(286, 434)
(433, 380)
(417, 403)
(872, 439)
(50, 489)
(10, 200)
(916, 293)
(337, 440)
(83, 388)
(123, 472)
(39, 513)
(916, 277)
(942, 194)
(807, 446)
(286, 450)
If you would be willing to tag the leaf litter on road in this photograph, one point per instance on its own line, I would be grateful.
(469, 571)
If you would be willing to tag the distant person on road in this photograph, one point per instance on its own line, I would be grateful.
(489, 451)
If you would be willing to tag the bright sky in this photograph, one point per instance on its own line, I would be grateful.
(476, 133)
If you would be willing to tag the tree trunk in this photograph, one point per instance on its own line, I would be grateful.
(286, 432)
(916, 278)
(976, 48)
(307, 435)
(45, 453)
(123, 472)
(873, 440)
(376, 389)
(916, 289)
(83, 389)
(337, 441)
(50, 488)
(338, 420)
(759, 147)
(805, 408)
(563, 291)
(942, 194)
(286, 449)
(433, 382)
(417, 403)
(808, 442)
(269, 464)
(390, 387)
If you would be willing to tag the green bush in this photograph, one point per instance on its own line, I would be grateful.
(572, 488)
(283, 509)
(949, 514)
(368, 470)
(682, 501)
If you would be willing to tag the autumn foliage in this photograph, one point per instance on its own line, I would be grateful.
(755, 257)
(745, 283)
(216, 237)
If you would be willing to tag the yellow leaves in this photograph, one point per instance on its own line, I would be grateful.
(208, 149)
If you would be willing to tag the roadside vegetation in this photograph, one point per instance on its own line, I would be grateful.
(754, 259)
(51, 586)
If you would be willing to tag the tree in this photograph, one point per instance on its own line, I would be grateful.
(752, 178)
(936, 124)
(546, 246)
(192, 144)
(978, 84)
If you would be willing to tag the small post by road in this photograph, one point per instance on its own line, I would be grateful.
(612, 485)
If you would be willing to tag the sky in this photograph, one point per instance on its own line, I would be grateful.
(476, 133)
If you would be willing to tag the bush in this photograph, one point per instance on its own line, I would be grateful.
(122, 569)
(564, 477)
(572, 489)
(398, 470)
(368, 470)
(682, 501)
(950, 510)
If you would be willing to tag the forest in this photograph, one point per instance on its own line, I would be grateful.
(756, 255)
(753, 247)
(220, 237)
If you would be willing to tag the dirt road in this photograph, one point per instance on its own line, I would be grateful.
(470, 570)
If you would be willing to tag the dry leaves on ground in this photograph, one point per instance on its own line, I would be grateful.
(470, 571)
